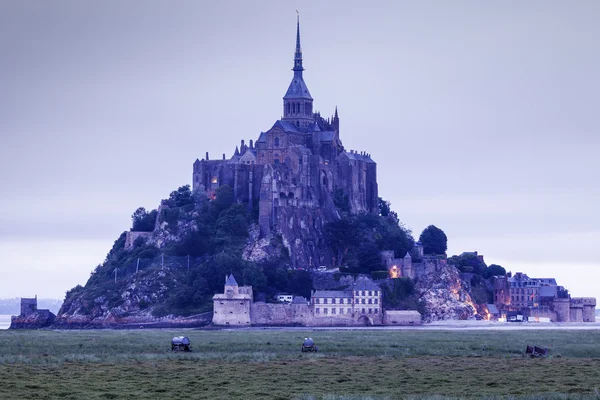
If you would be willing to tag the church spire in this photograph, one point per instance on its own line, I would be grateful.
(297, 102)
(298, 55)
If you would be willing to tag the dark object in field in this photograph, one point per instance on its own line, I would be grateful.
(309, 345)
(535, 351)
(180, 343)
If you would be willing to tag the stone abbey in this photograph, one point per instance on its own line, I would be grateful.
(294, 169)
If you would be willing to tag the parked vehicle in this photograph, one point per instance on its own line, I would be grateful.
(180, 343)
(309, 346)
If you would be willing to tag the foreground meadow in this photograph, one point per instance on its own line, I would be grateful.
(268, 364)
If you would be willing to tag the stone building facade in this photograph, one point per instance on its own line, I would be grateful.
(361, 304)
(233, 306)
(409, 267)
(541, 297)
(293, 170)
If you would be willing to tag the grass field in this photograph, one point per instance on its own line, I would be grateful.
(256, 364)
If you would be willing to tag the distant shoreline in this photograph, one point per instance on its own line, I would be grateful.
(4, 321)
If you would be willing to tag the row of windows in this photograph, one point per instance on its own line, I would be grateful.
(521, 291)
(341, 311)
(516, 298)
(347, 301)
(364, 293)
(296, 108)
(333, 311)
(524, 284)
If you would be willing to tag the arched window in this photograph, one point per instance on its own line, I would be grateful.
(298, 107)
(276, 141)
(294, 108)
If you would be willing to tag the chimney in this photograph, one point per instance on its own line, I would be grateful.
(223, 156)
(207, 156)
(251, 144)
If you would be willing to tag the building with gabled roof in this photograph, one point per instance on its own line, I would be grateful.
(360, 302)
(541, 297)
(232, 307)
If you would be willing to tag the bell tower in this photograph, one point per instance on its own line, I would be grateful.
(297, 102)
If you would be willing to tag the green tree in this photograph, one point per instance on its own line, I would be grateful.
(342, 235)
(223, 198)
(434, 240)
(301, 283)
(181, 197)
(385, 210)
(142, 220)
(495, 270)
(468, 263)
(369, 258)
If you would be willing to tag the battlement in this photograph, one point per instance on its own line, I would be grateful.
(584, 301)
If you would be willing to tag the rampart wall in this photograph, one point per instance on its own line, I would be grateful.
(130, 238)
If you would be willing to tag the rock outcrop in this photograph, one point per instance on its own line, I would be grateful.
(36, 320)
(445, 295)
(143, 292)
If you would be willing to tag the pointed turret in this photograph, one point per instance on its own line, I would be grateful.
(231, 281)
(297, 102)
(336, 121)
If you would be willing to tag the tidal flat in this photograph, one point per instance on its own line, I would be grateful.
(268, 364)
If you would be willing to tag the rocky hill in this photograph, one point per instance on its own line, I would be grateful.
(167, 274)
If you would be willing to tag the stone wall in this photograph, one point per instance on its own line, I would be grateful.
(279, 314)
(540, 312)
(130, 238)
(561, 307)
(28, 306)
(401, 317)
(267, 314)
(234, 312)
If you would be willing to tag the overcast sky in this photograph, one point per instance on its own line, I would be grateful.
(483, 118)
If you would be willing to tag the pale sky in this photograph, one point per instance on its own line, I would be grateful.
(481, 116)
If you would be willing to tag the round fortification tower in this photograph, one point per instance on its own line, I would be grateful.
(562, 310)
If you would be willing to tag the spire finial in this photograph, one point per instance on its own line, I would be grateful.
(298, 55)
